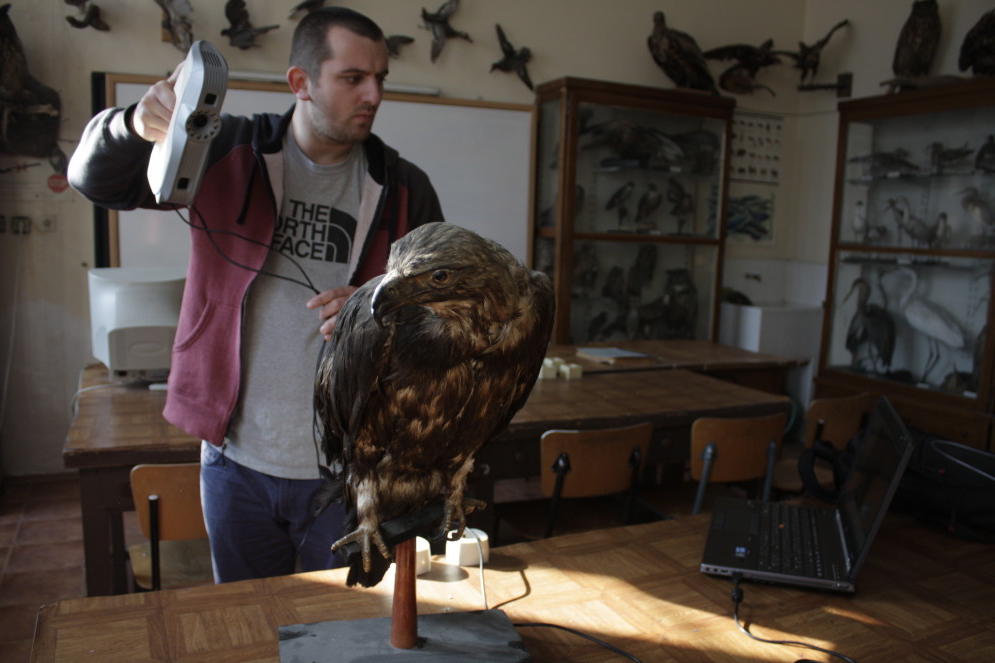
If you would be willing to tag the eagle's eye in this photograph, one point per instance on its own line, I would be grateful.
(440, 277)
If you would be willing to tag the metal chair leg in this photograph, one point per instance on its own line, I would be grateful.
(560, 466)
(769, 477)
(154, 540)
(709, 456)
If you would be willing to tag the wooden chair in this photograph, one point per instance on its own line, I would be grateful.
(592, 463)
(167, 501)
(577, 464)
(732, 450)
(833, 420)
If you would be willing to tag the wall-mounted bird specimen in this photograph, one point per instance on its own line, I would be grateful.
(741, 78)
(87, 16)
(438, 24)
(427, 363)
(882, 164)
(617, 201)
(977, 52)
(176, 22)
(871, 326)
(395, 42)
(512, 59)
(934, 322)
(306, 7)
(984, 160)
(240, 31)
(678, 54)
(942, 158)
(917, 41)
(30, 111)
(808, 56)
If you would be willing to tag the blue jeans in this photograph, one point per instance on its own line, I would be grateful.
(260, 525)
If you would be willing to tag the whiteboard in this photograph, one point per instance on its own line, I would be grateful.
(477, 154)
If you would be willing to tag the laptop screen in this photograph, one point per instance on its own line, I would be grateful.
(878, 467)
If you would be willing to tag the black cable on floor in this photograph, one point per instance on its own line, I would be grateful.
(737, 598)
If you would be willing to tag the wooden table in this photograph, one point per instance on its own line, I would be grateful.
(118, 427)
(923, 596)
(750, 369)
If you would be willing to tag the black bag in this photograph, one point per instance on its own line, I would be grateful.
(945, 483)
(951, 485)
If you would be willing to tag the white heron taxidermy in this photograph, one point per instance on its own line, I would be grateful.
(932, 321)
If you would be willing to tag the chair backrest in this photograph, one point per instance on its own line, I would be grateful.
(178, 487)
(740, 445)
(599, 459)
(841, 418)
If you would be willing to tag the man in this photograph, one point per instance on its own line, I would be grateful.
(312, 197)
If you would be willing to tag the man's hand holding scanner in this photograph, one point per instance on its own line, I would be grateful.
(154, 110)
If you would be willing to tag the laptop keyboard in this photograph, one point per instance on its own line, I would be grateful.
(789, 540)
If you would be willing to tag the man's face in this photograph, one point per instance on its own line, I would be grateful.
(347, 93)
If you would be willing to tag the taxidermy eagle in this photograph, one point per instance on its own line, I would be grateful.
(426, 364)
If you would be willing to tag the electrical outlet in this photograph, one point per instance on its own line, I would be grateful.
(20, 225)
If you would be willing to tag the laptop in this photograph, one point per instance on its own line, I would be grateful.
(821, 547)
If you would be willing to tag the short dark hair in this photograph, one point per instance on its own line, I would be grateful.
(309, 47)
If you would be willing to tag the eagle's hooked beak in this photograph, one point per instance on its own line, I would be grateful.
(386, 298)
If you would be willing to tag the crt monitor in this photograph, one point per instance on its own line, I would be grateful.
(133, 316)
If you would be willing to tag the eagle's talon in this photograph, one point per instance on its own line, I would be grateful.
(363, 537)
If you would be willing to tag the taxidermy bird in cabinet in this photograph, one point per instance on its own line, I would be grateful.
(871, 325)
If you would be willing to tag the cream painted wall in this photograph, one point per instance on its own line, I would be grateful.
(48, 309)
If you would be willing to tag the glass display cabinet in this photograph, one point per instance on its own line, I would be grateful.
(909, 293)
(630, 190)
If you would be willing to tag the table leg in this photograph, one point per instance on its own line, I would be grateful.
(102, 503)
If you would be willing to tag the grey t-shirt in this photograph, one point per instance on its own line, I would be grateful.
(271, 429)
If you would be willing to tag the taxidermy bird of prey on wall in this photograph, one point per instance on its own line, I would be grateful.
(977, 51)
(741, 77)
(177, 22)
(917, 41)
(677, 53)
(427, 363)
(807, 58)
(88, 16)
(438, 23)
(240, 31)
(30, 111)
